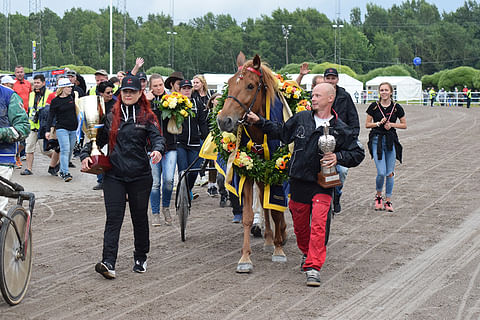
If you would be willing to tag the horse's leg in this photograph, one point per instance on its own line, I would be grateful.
(256, 229)
(245, 265)
(268, 244)
(280, 236)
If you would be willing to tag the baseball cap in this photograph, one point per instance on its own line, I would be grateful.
(7, 79)
(142, 75)
(64, 82)
(101, 72)
(132, 83)
(330, 71)
(186, 83)
(71, 73)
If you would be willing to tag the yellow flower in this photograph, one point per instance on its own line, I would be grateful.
(165, 103)
(295, 96)
(184, 113)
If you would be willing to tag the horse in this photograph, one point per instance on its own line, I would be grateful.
(248, 90)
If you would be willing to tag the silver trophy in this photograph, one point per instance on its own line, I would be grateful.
(328, 177)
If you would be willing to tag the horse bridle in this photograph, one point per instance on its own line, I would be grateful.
(244, 107)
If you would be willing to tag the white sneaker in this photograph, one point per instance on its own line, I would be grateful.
(156, 220)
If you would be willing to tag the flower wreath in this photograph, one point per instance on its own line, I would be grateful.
(246, 162)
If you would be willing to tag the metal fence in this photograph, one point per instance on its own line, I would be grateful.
(443, 98)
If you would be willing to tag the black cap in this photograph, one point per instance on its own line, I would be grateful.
(132, 83)
(330, 71)
(142, 75)
(186, 83)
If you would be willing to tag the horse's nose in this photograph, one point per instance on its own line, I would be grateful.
(226, 124)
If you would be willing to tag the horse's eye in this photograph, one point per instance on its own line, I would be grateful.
(250, 86)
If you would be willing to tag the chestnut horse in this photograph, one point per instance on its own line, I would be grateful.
(247, 91)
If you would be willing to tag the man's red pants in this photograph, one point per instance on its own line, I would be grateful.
(311, 236)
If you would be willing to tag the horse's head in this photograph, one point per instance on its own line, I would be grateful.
(247, 91)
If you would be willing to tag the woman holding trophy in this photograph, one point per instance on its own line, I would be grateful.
(383, 141)
(130, 129)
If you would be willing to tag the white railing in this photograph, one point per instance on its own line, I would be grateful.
(445, 98)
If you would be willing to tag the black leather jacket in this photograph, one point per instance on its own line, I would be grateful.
(300, 129)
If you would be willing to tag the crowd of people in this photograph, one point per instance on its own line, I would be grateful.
(144, 154)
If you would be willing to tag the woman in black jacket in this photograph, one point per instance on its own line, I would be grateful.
(194, 132)
(62, 109)
(129, 130)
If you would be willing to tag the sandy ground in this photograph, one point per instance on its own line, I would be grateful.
(420, 262)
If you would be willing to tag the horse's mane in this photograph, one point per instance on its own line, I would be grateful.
(268, 78)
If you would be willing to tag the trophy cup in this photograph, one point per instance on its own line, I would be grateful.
(90, 110)
(328, 177)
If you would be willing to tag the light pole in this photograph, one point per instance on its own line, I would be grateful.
(286, 32)
(335, 26)
(172, 47)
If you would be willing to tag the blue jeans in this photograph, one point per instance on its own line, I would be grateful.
(163, 171)
(385, 167)
(66, 140)
(184, 158)
(342, 172)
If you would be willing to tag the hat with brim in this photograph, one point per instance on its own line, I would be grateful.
(64, 82)
(177, 75)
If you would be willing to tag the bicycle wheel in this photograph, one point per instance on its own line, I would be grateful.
(183, 206)
(14, 272)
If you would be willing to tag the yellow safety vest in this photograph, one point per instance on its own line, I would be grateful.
(92, 91)
(31, 110)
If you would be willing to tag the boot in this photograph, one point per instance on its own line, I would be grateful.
(168, 217)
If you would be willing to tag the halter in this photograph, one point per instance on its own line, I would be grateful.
(244, 107)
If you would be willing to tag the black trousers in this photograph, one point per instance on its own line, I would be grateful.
(115, 192)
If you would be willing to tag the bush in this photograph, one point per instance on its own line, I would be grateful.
(395, 70)
(80, 69)
(164, 71)
(320, 69)
(432, 79)
(458, 77)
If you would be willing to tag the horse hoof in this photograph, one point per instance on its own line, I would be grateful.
(268, 247)
(256, 231)
(244, 267)
(277, 258)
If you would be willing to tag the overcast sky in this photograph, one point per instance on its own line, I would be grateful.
(184, 10)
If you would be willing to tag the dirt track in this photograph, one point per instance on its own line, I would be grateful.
(421, 262)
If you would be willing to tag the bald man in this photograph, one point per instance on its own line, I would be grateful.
(309, 199)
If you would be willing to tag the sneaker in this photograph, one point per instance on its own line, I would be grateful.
(237, 218)
(304, 258)
(223, 200)
(71, 165)
(57, 167)
(313, 277)
(195, 196)
(156, 220)
(26, 172)
(99, 186)
(67, 177)
(140, 266)
(378, 203)
(212, 191)
(18, 163)
(52, 171)
(388, 206)
(23, 158)
(105, 269)
(167, 216)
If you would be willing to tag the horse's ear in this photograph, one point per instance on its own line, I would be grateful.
(256, 62)
(241, 59)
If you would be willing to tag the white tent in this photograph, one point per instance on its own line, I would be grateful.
(405, 88)
(216, 81)
(350, 84)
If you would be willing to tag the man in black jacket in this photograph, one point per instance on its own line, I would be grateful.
(308, 197)
(347, 112)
